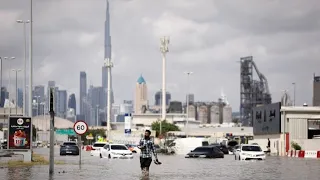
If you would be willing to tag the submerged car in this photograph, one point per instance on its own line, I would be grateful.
(69, 148)
(96, 148)
(116, 151)
(205, 152)
(249, 152)
(133, 148)
(222, 148)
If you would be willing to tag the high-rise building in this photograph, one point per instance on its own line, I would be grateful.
(39, 92)
(72, 103)
(316, 90)
(158, 98)
(4, 96)
(83, 91)
(107, 55)
(51, 84)
(20, 98)
(141, 97)
(61, 109)
(191, 98)
(126, 108)
(95, 101)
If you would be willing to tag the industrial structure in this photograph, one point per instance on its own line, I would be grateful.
(211, 112)
(316, 90)
(252, 92)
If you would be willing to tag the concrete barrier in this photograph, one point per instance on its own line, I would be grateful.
(303, 154)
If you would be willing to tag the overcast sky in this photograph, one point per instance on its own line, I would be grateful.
(207, 37)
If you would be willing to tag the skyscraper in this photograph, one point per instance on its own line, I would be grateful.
(191, 98)
(20, 98)
(51, 84)
(141, 101)
(107, 54)
(61, 109)
(158, 98)
(83, 91)
(39, 92)
(72, 103)
(4, 96)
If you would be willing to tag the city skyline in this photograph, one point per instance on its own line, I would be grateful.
(209, 43)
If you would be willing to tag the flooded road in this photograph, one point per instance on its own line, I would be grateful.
(173, 168)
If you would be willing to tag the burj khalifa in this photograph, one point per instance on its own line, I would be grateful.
(107, 54)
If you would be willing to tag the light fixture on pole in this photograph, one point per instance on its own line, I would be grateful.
(187, 111)
(16, 101)
(294, 94)
(9, 85)
(108, 64)
(164, 49)
(25, 63)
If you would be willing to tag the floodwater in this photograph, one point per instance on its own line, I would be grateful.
(172, 168)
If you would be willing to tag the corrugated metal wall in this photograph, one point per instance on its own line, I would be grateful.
(298, 128)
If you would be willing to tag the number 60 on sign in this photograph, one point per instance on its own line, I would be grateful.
(80, 127)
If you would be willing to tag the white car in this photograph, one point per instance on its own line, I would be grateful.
(116, 151)
(96, 148)
(249, 152)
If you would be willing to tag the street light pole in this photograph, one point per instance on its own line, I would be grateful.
(108, 64)
(187, 111)
(25, 64)
(16, 71)
(30, 66)
(294, 94)
(164, 49)
(9, 85)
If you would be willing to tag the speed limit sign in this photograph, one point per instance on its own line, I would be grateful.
(80, 127)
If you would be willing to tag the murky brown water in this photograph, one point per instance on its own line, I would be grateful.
(173, 168)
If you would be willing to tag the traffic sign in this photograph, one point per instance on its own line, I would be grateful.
(89, 137)
(80, 127)
(65, 131)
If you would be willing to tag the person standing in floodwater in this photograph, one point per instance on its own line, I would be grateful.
(269, 144)
(147, 149)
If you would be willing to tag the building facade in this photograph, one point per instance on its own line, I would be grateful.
(141, 96)
(316, 91)
(83, 91)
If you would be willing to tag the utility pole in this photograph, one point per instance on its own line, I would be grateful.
(187, 111)
(51, 111)
(30, 64)
(164, 49)
(108, 64)
(25, 65)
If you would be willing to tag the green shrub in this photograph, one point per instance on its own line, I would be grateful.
(295, 146)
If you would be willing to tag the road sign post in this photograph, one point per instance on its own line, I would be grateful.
(51, 111)
(80, 127)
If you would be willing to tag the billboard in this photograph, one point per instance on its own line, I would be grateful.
(266, 119)
(127, 123)
(19, 133)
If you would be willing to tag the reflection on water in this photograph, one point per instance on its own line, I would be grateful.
(173, 168)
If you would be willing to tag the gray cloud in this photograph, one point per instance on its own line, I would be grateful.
(207, 37)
